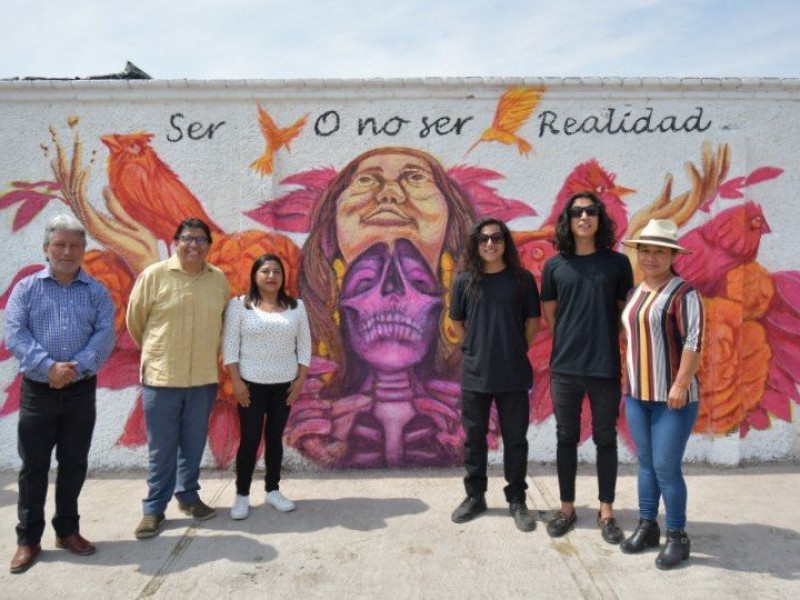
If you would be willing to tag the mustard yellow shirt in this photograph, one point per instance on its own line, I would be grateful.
(176, 319)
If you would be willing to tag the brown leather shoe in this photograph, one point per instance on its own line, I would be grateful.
(76, 544)
(24, 558)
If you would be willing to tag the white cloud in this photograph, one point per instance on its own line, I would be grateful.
(236, 39)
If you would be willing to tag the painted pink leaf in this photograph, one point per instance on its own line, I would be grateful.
(121, 370)
(731, 188)
(292, 211)
(28, 211)
(777, 404)
(763, 174)
(5, 353)
(782, 382)
(758, 419)
(135, 432)
(11, 405)
(313, 179)
(15, 196)
(485, 199)
(783, 315)
(24, 272)
(744, 429)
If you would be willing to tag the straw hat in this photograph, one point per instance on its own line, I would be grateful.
(658, 232)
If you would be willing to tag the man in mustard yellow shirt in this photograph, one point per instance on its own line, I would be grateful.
(175, 316)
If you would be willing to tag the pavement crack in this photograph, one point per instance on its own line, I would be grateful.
(590, 580)
(158, 579)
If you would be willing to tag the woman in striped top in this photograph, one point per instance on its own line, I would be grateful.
(663, 320)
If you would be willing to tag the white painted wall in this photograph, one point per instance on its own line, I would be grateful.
(757, 118)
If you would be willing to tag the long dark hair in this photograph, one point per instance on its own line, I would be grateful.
(253, 297)
(473, 263)
(604, 239)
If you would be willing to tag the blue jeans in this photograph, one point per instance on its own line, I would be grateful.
(177, 427)
(661, 434)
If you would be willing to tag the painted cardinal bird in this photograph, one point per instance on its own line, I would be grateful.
(727, 241)
(586, 177)
(591, 177)
(276, 138)
(147, 188)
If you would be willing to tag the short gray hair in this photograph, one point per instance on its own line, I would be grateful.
(64, 223)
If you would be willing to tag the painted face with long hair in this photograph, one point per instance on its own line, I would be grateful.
(391, 303)
(392, 196)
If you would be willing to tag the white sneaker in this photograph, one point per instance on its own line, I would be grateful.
(279, 501)
(241, 508)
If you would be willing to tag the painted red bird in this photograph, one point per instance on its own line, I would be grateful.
(147, 188)
(727, 241)
(591, 177)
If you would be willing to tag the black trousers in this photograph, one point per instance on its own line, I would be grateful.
(265, 417)
(567, 392)
(50, 418)
(513, 411)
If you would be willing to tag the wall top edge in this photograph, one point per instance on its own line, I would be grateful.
(705, 83)
(46, 90)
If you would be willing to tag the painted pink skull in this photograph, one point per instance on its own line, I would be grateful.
(390, 303)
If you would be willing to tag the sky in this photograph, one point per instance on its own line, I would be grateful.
(280, 39)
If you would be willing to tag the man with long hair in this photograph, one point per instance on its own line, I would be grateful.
(496, 314)
(584, 288)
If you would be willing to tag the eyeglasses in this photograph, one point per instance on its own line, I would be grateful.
(197, 239)
(496, 238)
(576, 212)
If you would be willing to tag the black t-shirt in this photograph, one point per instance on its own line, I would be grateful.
(587, 289)
(494, 348)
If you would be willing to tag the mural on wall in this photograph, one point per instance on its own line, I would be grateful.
(383, 236)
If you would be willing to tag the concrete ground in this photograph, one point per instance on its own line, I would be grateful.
(381, 534)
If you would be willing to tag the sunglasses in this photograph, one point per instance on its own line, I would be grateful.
(496, 238)
(576, 212)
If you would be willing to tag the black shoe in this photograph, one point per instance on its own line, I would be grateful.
(561, 523)
(610, 530)
(523, 518)
(200, 511)
(646, 535)
(470, 508)
(676, 549)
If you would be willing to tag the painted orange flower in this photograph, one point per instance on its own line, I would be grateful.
(733, 368)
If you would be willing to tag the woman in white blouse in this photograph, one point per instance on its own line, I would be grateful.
(267, 349)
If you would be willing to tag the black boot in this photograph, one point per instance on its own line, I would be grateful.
(646, 535)
(676, 549)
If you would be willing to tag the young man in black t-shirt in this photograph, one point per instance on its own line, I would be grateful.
(583, 292)
(496, 314)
